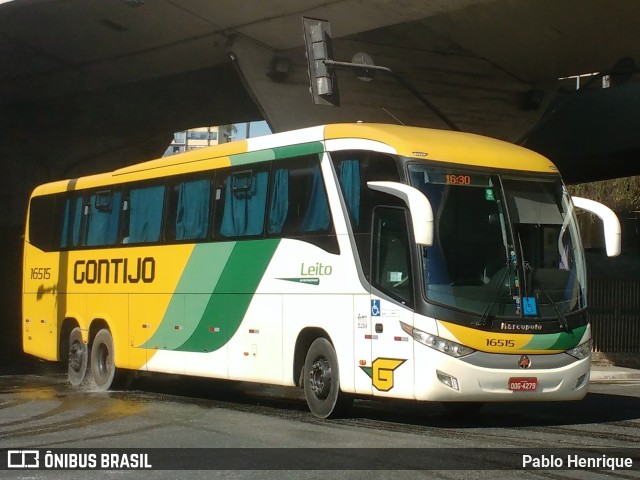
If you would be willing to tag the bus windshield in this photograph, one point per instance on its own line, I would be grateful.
(503, 246)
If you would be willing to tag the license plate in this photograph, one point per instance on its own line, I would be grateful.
(522, 384)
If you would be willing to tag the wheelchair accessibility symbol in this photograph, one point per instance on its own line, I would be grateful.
(375, 308)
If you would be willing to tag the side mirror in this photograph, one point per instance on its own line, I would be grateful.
(611, 224)
(419, 208)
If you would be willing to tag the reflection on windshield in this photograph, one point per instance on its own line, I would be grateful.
(502, 247)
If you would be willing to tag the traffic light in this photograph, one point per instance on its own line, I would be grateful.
(322, 77)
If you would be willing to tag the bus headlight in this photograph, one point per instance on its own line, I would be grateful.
(581, 351)
(442, 345)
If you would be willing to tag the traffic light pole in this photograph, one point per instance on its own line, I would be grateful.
(408, 85)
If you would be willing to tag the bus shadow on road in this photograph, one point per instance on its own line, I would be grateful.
(595, 408)
(289, 402)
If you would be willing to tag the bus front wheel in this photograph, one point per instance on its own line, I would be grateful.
(322, 381)
(78, 358)
(103, 368)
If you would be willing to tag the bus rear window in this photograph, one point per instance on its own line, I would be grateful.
(41, 221)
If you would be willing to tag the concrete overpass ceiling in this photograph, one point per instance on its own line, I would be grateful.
(532, 41)
(53, 47)
(477, 58)
(64, 45)
(593, 131)
(545, 39)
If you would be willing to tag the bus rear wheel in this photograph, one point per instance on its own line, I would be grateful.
(78, 358)
(322, 381)
(103, 369)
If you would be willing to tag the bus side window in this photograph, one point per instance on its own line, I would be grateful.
(142, 214)
(241, 203)
(188, 205)
(101, 218)
(298, 203)
(354, 169)
(391, 261)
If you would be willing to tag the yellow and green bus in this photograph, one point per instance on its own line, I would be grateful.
(348, 259)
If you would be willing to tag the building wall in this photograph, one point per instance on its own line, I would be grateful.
(199, 137)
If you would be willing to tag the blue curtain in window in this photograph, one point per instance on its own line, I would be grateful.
(145, 214)
(192, 217)
(71, 223)
(244, 205)
(279, 201)
(350, 181)
(102, 224)
(317, 214)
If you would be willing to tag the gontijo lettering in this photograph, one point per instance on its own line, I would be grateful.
(115, 270)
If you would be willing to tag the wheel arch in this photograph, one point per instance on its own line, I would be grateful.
(97, 324)
(303, 342)
(68, 324)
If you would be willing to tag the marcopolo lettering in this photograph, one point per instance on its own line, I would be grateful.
(521, 327)
(115, 270)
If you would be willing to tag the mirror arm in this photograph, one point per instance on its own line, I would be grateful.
(419, 208)
(611, 224)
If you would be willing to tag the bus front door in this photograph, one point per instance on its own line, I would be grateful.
(391, 367)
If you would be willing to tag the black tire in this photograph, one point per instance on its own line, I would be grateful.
(322, 381)
(77, 358)
(103, 369)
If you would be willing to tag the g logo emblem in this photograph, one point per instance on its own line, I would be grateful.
(381, 372)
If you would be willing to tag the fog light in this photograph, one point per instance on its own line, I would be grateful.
(580, 381)
(448, 380)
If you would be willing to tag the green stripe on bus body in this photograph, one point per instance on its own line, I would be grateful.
(232, 295)
(277, 153)
(298, 150)
(252, 157)
(556, 341)
(192, 294)
(567, 341)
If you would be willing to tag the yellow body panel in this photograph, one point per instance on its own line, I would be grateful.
(196, 161)
(132, 313)
(446, 146)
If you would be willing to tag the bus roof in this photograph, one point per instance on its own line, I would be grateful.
(416, 142)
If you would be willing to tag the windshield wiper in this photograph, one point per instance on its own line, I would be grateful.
(562, 320)
(486, 315)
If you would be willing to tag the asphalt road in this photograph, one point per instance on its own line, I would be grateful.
(39, 410)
